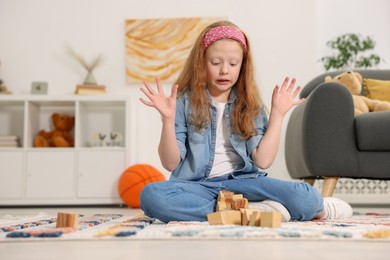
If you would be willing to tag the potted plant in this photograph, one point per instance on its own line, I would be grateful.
(352, 51)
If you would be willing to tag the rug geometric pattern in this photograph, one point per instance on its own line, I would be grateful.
(367, 227)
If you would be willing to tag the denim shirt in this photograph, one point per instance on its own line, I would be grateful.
(197, 149)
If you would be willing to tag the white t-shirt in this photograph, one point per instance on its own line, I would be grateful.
(226, 159)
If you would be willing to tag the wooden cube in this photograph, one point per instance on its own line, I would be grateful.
(254, 219)
(223, 205)
(239, 204)
(271, 219)
(246, 215)
(225, 194)
(225, 217)
(67, 220)
(238, 196)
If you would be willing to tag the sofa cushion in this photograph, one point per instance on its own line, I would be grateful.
(377, 89)
(373, 131)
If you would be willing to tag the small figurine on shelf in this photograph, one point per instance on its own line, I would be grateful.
(90, 86)
(98, 139)
(3, 88)
(114, 139)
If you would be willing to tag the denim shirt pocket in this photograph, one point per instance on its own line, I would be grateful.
(194, 136)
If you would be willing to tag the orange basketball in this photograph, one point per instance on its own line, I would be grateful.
(134, 179)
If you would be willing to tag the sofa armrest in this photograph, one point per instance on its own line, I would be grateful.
(320, 138)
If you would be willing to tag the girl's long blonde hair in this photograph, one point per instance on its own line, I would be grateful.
(193, 79)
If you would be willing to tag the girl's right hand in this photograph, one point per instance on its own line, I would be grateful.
(166, 106)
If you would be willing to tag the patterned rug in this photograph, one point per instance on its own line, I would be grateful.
(363, 227)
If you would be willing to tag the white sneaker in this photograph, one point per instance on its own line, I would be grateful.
(335, 208)
(270, 205)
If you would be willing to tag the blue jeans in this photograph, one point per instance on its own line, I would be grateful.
(177, 200)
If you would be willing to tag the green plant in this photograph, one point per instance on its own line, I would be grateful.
(350, 49)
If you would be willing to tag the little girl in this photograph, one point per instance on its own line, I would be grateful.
(216, 135)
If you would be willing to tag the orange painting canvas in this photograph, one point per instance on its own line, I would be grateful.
(159, 47)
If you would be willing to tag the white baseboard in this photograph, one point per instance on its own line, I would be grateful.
(361, 191)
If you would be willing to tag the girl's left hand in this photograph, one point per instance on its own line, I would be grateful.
(283, 99)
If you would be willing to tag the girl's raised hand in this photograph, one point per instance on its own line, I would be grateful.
(166, 106)
(283, 99)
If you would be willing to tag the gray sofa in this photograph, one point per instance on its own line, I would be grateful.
(325, 140)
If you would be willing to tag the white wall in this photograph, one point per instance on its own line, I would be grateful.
(284, 35)
(366, 17)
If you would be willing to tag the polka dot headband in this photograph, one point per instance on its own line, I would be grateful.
(224, 32)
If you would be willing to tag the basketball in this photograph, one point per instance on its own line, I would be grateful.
(134, 179)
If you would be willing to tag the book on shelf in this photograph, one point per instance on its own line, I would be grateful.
(9, 138)
(9, 141)
(90, 89)
(9, 146)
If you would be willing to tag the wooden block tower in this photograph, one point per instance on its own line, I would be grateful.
(232, 209)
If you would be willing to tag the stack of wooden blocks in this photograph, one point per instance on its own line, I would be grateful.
(232, 209)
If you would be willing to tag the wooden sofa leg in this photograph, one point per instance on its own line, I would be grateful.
(310, 181)
(329, 186)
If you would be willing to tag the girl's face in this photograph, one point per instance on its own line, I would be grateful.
(223, 63)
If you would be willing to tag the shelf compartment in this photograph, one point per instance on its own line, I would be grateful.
(12, 119)
(40, 116)
(102, 123)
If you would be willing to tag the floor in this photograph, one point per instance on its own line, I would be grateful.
(185, 249)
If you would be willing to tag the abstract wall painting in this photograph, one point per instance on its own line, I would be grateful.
(159, 47)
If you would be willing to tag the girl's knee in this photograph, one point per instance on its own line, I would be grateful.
(307, 205)
(147, 192)
(149, 197)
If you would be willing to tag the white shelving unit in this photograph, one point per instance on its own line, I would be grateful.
(83, 174)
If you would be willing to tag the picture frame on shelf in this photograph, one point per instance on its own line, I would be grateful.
(39, 88)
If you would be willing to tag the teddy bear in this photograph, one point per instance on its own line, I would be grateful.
(60, 136)
(353, 82)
